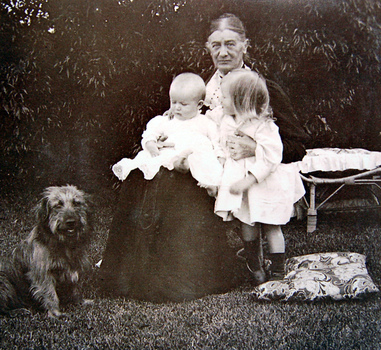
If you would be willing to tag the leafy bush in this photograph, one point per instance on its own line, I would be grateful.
(80, 79)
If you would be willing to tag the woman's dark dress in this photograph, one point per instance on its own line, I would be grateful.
(166, 244)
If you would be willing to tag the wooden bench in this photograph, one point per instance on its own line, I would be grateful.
(335, 161)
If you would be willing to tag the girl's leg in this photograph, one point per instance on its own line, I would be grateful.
(276, 244)
(253, 251)
(250, 233)
(274, 237)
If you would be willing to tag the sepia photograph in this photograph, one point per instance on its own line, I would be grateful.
(190, 174)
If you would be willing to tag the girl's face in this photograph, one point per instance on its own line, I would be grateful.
(227, 103)
(227, 49)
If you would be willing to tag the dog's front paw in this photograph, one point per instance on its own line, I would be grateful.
(55, 313)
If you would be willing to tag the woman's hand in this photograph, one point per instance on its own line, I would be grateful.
(241, 146)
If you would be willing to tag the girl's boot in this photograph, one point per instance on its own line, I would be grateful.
(277, 268)
(254, 261)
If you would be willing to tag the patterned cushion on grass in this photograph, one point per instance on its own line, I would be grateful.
(316, 276)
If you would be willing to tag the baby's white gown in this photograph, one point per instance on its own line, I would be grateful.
(198, 135)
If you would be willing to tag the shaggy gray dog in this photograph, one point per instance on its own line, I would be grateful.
(46, 267)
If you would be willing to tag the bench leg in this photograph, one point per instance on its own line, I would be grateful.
(312, 212)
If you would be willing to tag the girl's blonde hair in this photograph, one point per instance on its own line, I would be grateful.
(248, 92)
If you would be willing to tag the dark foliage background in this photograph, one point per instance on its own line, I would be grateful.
(80, 79)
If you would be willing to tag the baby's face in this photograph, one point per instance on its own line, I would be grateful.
(184, 103)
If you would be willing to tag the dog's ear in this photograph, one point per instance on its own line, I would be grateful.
(42, 211)
(89, 202)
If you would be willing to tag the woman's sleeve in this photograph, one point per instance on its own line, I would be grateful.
(268, 154)
(291, 131)
(153, 130)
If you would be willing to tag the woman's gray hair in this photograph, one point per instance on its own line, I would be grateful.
(228, 21)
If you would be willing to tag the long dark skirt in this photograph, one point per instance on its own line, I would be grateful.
(166, 244)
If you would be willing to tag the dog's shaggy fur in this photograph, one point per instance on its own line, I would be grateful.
(45, 268)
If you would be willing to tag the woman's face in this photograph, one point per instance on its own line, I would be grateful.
(227, 50)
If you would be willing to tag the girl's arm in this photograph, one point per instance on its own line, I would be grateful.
(268, 153)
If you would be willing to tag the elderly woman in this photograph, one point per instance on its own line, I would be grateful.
(227, 44)
(165, 242)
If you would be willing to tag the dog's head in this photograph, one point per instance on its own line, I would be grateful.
(64, 211)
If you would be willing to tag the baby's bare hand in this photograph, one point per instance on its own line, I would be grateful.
(152, 148)
(154, 152)
(162, 143)
(162, 138)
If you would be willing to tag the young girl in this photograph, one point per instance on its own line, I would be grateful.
(259, 191)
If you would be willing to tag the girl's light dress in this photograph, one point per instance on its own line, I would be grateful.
(271, 200)
(198, 135)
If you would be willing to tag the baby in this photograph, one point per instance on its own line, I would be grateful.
(193, 139)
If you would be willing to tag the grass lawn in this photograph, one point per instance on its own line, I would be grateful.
(228, 321)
